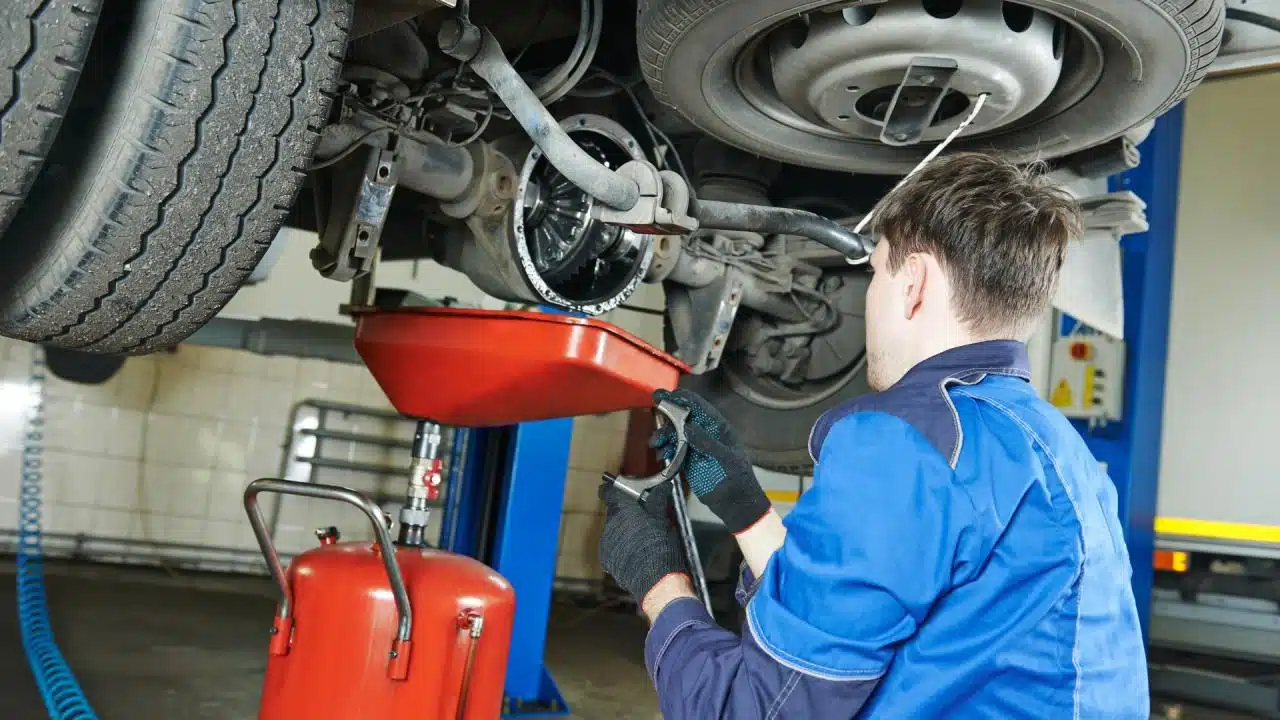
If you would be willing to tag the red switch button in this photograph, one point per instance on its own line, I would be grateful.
(1081, 351)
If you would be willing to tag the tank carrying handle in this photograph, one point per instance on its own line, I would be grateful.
(398, 666)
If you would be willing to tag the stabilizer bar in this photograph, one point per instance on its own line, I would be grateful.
(716, 215)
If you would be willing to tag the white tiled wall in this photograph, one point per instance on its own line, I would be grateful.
(163, 451)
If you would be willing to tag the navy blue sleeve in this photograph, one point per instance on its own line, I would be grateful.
(869, 549)
(700, 670)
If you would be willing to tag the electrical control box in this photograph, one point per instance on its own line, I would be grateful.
(1087, 377)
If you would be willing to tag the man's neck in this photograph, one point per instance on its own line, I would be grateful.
(946, 337)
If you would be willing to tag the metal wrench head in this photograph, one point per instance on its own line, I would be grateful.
(638, 488)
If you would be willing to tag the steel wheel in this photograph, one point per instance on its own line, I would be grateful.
(828, 85)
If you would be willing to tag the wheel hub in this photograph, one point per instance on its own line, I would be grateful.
(832, 359)
(851, 72)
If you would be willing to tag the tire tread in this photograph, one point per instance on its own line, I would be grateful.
(236, 94)
(41, 56)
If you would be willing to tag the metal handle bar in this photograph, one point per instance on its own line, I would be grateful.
(685, 526)
(326, 492)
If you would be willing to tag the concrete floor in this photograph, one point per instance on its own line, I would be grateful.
(146, 645)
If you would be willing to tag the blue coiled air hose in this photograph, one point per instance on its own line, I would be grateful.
(63, 698)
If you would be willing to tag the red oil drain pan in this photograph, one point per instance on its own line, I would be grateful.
(483, 368)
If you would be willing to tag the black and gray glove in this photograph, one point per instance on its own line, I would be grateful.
(638, 546)
(717, 468)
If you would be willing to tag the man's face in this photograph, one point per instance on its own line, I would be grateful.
(885, 321)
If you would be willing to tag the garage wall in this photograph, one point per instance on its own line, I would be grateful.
(1217, 458)
(164, 449)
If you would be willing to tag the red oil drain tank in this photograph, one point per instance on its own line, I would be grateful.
(424, 636)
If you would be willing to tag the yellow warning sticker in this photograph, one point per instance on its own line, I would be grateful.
(1061, 396)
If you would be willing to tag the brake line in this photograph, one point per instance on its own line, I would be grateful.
(63, 698)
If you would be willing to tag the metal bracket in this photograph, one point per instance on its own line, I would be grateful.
(916, 101)
(703, 317)
(663, 207)
(357, 213)
(639, 488)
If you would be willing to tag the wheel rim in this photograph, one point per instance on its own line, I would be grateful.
(1031, 63)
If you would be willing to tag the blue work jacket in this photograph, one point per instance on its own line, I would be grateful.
(959, 555)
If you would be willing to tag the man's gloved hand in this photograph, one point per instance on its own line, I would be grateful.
(639, 546)
(717, 468)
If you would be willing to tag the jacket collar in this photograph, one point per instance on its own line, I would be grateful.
(989, 357)
(920, 396)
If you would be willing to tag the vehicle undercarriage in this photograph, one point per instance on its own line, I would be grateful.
(563, 152)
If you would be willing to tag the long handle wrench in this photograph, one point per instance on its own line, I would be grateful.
(640, 488)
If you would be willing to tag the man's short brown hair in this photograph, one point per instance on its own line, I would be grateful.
(998, 230)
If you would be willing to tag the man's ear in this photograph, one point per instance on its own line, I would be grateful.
(915, 271)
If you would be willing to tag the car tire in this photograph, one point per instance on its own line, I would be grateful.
(43, 46)
(188, 139)
(1147, 56)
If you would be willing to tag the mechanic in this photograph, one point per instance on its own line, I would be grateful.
(959, 553)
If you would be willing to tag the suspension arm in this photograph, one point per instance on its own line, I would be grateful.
(481, 51)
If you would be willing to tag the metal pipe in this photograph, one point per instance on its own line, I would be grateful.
(481, 51)
(696, 571)
(426, 440)
(429, 166)
(715, 215)
(424, 483)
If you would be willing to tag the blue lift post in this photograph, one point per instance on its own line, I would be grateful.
(503, 505)
(1131, 447)
(526, 543)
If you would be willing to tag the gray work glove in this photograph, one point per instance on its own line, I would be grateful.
(639, 546)
(716, 468)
